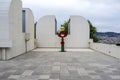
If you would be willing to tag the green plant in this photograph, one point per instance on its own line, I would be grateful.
(93, 30)
(65, 25)
(95, 38)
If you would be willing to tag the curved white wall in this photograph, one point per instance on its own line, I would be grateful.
(11, 27)
(45, 32)
(29, 28)
(78, 38)
(15, 27)
(4, 24)
(4, 19)
(79, 33)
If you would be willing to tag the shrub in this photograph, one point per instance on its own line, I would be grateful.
(95, 38)
(93, 30)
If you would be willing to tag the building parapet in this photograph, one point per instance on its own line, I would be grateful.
(108, 49)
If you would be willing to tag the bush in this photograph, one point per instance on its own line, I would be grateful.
(93, 30)
(95, 39)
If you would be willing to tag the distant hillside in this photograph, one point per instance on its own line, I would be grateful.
(108, 37)
(109, 34)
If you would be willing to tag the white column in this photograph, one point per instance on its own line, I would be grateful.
(3, 54)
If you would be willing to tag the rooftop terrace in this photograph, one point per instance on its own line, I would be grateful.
(50, 64)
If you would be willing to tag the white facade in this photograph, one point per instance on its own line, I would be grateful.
(79, 33)
(45, 32)
(11, 28)
(29, 28)
(12, 39)
(78, 37)
(17, 37)
(17, 30)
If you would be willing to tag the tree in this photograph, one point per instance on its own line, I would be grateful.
(93, 30)
(65, 25)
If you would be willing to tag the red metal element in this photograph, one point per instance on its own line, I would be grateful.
(62, 34)
(62, 43)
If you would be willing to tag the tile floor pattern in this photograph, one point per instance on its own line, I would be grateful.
(71, 65)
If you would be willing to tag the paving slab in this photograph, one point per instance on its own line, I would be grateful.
(51, 64)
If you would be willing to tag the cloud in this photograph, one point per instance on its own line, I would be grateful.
(51, 3)
(109, 29)
(104, 14)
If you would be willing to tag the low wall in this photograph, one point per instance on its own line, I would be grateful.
(108, 49)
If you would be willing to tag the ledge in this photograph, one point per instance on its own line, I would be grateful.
(5, 43)
(108, 49)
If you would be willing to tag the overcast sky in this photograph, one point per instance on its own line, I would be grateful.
(104, 14)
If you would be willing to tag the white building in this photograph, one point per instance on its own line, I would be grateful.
(12, 39)
(17, 32)
(78, 32)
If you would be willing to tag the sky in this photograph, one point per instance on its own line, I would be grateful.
(103, 14)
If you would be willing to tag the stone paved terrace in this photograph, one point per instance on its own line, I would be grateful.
(50, 64)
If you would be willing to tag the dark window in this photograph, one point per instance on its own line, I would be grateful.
(55, 26)
(69, 26)
(23, 21)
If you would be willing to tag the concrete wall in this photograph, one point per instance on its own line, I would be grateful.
(108, 49)
(12, 38)
(4, 23)
(45, 32)
(79, 33)
(29, 25)
(15, 28)
(78, 37)
(4, 19)
(11, 27)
